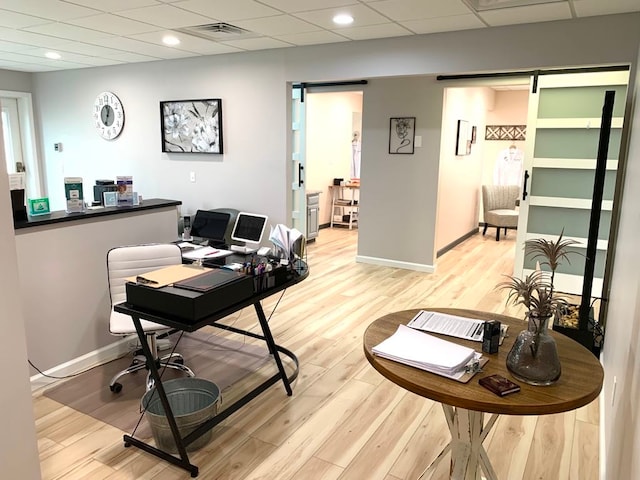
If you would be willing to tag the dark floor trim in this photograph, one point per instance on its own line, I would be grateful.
(446, 248)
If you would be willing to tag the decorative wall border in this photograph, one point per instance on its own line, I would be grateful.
(506, 132)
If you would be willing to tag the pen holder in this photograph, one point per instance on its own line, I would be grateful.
(267, 280)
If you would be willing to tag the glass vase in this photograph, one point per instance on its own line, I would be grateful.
(533, 359)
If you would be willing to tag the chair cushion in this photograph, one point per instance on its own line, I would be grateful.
(121, 324)
(502, 218)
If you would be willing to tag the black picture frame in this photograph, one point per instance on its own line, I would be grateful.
(474, 133)
(402, 133)
(191, 126)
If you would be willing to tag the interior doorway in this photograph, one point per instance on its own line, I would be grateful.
(333, 138)
(494, 114)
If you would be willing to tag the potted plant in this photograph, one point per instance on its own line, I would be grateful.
(534, 356)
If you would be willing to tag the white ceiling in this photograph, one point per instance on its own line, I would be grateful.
(88, 33)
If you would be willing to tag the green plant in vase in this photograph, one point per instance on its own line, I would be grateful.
(534, 357)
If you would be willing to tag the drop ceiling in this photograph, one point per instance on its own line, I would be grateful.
(90, 33)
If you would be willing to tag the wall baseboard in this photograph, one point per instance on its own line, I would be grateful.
(385, 262)
(82, 363)
(453, 244)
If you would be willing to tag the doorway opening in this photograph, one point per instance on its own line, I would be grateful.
(333, 136)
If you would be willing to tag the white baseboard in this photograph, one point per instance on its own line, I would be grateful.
(79, 364)
(385, 262)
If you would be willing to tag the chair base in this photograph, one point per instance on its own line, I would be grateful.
(171, 360)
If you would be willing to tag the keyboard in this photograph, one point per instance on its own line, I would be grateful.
(460, 327)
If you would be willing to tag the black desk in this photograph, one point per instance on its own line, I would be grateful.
(300, 271)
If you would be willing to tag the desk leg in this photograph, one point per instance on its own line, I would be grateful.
(183, 461)
(272, 346)
(468, 456)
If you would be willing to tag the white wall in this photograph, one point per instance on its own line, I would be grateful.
(398, 194)
(15, 81)
(18, 447)
(329, 132)
(460, 176)
(621, 352)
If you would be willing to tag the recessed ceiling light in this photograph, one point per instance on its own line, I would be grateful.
(343, 19)
(53, 55)
(170, 40)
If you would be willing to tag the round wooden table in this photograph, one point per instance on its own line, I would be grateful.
(464, 404)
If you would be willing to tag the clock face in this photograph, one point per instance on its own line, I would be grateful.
(108, 115)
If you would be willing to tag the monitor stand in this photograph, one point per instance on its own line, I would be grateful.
(242, 249)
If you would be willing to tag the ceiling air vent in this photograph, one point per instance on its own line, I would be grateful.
(217, 31)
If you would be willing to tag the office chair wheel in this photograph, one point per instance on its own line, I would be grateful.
(116, 387)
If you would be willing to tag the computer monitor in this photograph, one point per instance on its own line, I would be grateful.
(249, 227)
(210, 225)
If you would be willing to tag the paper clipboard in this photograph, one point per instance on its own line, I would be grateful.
(469, 375)
(168, 275)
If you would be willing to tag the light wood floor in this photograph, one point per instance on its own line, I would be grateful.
(344, 420)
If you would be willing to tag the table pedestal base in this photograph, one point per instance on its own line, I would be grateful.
(468, 456)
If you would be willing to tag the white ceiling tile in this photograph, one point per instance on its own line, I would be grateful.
(361, 14)
(587, 8)
(51, 9)
(70, 32)
(534, 13)
(188, 43)
(19, 20)
(293, 6)
(66, 56)
(30, 38)
(228, 10)
(416, 9)
(374, 31)
(263, 43)
(277, 25)
(312, 38)
(144, 48)
(165, 16)
(115, 24)
(13, 46)
(115, 5)
(443, 24)
(84, 49)
(39, 60)
(130, 57)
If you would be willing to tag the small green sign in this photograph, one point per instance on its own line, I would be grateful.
(38, 206)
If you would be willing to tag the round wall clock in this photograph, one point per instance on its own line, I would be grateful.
(108, 115)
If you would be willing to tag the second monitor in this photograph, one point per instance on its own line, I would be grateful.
(249, 228)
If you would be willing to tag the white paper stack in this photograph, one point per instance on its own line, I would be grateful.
(426, 352)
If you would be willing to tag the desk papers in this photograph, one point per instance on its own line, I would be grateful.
(426, 352)
(206, 252)
(461, 327)
(167, 275)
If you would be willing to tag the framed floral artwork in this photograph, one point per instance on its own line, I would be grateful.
(191, 126)
(402, 132)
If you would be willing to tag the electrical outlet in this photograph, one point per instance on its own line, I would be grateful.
(192, 176)
(57, 147)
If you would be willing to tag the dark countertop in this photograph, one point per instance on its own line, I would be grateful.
(61, 216)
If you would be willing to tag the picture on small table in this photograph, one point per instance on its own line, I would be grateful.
(402, 132)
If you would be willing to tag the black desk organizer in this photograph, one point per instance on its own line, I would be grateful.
(292, 275)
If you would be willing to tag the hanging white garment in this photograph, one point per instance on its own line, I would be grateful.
(508, 168)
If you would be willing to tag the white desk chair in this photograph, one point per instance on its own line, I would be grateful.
(130, 261)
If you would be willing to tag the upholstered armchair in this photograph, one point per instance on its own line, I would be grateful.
(499, 204)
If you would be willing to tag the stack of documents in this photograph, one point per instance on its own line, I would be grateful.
(206, 252)
(426, 352)
(289, 242)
